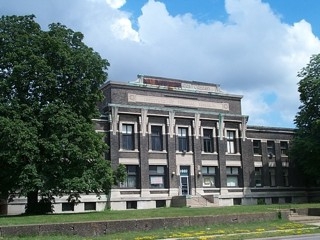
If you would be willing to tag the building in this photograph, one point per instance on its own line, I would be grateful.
(187, 143)
(182, 140)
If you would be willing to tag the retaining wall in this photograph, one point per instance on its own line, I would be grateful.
(107, 227)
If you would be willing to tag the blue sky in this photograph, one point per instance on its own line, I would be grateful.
(250, 47)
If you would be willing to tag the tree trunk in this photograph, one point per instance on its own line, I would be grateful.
(32, 203)
(3, 205)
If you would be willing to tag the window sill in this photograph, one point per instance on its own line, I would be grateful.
(156, 151)
(184, 153)
(234, 154)
(126, 150)
(209, 153)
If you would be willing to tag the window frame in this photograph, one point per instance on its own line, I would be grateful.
(285, 175)
(231, 141)
(132, 175)
(233, 174)
(183, 141)
(284, 148)
(272, 177)
(158, 174)
(257, 149)
(127, 139)
(207, 174)
(207, 140)
(156, 136)
(258, 176)
(271, 148)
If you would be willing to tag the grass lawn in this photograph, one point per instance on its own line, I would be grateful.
(145, 213)
(223, 231)
(218, 231)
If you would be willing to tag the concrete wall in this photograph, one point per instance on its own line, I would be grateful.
(108, 227)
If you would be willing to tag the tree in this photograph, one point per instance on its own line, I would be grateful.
(306, 144)
(49, 90)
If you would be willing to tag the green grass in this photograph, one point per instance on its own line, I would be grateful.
(144, 213)
(218, 231)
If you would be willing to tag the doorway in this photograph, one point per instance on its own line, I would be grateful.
(184, 180)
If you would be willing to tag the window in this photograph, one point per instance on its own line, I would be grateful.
(270, 147)
(237, 201)
(272, 177)
(261, 201)
(284, 148)
(131, 204)
(161, 203)
(69, 206)
(231, 140)
(288, 199)
(183, 139)
(285, 172)
(232, 176)
(208, 140)
(257, 147)
(208, 176)
(127, 137)
(156, 138)
(157, 176)
(90, 206)
(258, 176)
(132, 177)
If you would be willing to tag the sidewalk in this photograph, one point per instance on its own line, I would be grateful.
(305, 219)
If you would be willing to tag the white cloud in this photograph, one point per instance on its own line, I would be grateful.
(116, 4)
(252, 53)
(122, 29)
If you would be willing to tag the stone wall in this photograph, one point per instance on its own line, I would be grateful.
(108, 227)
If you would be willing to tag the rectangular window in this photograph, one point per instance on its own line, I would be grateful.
(132, 177)
(208, 176)
(157, 176)
(285, 172)
(90, 206)
(161, 203)
(232, 176)
(231, 141)
(270, 147)
(69, 206)
(127, 137)
(257, 147)
(258, 177)
(131, 204)
(272, 177)
(156, 138)
(284, 148)
(183, 139)
(208, 140)
(275, 200)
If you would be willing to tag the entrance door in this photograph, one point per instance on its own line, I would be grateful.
(184, 180)
(184, 185)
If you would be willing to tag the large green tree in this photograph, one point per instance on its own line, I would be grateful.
(49, 90)
(306, 143)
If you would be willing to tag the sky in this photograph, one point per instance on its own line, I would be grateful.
(254, 48)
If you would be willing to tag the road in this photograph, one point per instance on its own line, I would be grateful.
(296, 237)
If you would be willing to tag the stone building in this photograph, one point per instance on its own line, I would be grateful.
(188, 143)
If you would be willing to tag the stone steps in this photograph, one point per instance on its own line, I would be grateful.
(305, 219)
(198, 201)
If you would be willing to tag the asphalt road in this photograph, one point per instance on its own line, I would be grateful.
(299, 237)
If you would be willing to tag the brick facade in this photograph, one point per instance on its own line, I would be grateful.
(181, 138)
(205, 146)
